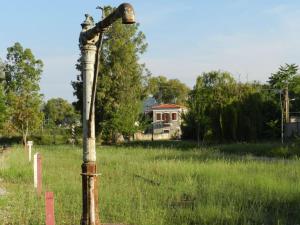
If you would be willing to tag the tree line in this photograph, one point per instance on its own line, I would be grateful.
(123, 84)
(22, 109)
(220, 109)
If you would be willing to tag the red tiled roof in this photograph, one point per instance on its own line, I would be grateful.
(167, 106)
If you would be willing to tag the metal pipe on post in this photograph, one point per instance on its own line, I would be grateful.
(90, 39)
(287, 105)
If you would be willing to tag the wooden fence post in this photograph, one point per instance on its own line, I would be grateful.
(29, 145)
(49, 206)
(38, 173)
(35, 170)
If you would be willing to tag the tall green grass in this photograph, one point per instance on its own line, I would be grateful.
(157, 186)
(267, 149)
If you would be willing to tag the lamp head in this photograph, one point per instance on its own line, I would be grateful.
(128, 16)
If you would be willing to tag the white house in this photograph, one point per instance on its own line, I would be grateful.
(167, 119)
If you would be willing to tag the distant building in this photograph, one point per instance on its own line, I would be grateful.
(167, 119)
(293, 127)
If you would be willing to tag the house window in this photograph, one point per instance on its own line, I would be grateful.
(174, 116)
(158, 116)
(166, 117)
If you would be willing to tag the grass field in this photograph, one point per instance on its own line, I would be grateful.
(161, 186)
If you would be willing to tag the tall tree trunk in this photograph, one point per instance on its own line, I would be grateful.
(221, 126)
(25, 134)
(24, 140)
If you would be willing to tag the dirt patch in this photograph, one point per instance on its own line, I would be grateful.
(2, 192)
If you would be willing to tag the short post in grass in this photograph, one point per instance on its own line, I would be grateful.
(90, 45)
(37, 175)
(35, 170)
(73, 138)
(29, 145)
(49, 207)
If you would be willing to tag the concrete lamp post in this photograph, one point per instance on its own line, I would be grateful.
(90, 45)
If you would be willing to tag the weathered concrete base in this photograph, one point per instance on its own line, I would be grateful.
(2, 192)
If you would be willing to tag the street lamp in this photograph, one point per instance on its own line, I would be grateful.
(90, 44)
(287, 113)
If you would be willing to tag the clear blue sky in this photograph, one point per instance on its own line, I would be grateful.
(249, 38)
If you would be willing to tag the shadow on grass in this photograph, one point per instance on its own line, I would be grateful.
(282, 211)
(180, 145)
(274, 211)
(274, 149)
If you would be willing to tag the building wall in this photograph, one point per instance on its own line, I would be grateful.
(169, 111)
(148, 137)
(172, 126)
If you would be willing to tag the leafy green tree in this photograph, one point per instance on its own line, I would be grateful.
(3, 106)
(284, 76)
(23, 73)
(287, 78)
(120, 87)
(78, 87)
(208, 103)
(220, 109)
(198, 108)
(168, 91)
(60, 112)
(2, 71)
(222, 91)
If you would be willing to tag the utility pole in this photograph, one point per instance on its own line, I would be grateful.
(286, 105)
(90, 45)
(281, 112)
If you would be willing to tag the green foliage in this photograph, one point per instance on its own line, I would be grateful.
(50, 139)
(3, 107)
(284, 76)
(3, 99)
(120, 88)
(60, 112)
(23, 73)
(168, 91)
(220, 109)
(2, 71)
(294, 94)
(196, 118)
(287, 77)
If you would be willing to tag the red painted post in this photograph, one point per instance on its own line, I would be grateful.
(49, 206)
(39, 174)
